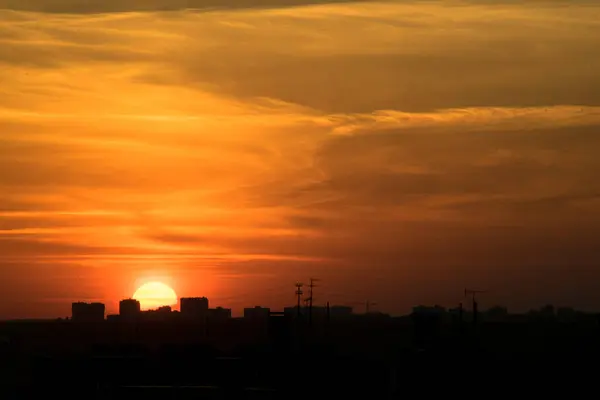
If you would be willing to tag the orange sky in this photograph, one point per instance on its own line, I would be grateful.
(399, 151)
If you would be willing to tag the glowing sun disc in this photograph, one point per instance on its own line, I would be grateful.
(155, 294)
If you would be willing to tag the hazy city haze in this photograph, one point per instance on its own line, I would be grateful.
(399, 151)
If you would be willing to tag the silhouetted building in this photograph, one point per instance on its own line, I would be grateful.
(86, 312)
(320, 313)
(545, 313)
(496, 314)
(292, 312)
(129, 309)
(161, 314)
(548, 309)
(219, 313)
(566, 314)
(257, 313)
(194, 308)
(427, 322)
(430, 312)
(373, 316)
(280, 331)
(340, 311)
(113, 317)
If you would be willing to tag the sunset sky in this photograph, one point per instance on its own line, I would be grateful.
(399, 151)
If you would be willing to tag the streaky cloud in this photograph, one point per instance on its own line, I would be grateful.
(119, 6)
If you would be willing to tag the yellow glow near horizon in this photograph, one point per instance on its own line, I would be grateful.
(155, 294)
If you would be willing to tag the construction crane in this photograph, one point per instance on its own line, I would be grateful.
(473, 293)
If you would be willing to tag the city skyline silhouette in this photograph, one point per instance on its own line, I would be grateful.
(148, 302)
(202, 352)
(292, 199)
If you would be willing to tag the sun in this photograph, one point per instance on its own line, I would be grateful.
(155, 294)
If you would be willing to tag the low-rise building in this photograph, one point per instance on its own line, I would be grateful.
(87, 312)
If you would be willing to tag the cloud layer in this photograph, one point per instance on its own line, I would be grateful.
(404, 147)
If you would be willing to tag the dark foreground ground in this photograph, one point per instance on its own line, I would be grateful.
(391, 361)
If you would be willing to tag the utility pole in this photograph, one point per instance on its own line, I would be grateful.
(310, 299)
(299, 294)
(473, 293)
